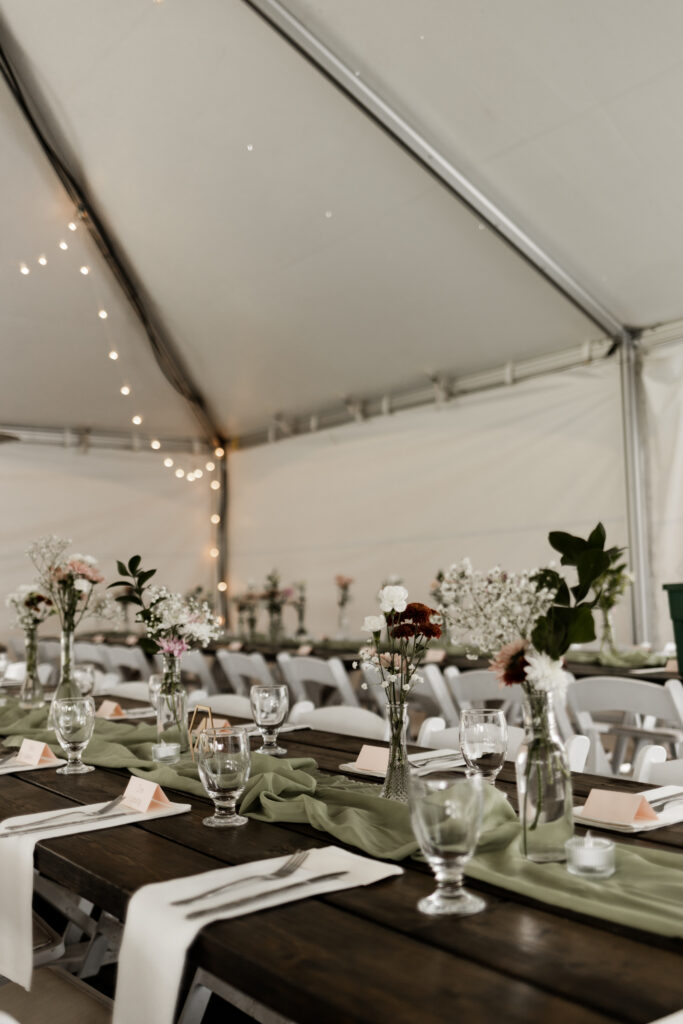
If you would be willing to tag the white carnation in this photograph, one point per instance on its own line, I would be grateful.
(545, 673)
(393, 599)
(373, 623)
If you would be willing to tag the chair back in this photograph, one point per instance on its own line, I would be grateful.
(197, 663)
(433, 687)
(132, 659)
(307, 677)
(433, 734)
(16, 671)
(480, 687)
(349, 721)
(240, 670)
(663, 773)
(230, 704)
(132, 691)
(94, 654)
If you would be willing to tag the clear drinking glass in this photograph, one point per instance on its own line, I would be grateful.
(84, 676)
(270, 706)
(154, 686)
(74, 721)
(445, 812)
(224, 761)
(484, 741)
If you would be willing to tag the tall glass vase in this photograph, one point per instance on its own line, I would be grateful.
(342, 623)
(31, 694)
(396, 780)
(275, 625)
(172, 706)
(67, 685)
(544, 784)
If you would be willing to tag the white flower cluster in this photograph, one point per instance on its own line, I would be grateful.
(173, 615)
(544, 673)
(30, 606)
(487, 610)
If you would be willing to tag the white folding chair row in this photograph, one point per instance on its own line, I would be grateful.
(433, 733)
(432, 692)
(240, 670)
(651, 713)
(308, 677)
(349, 721)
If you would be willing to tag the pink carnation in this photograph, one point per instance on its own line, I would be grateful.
(174, 645)
(85, 571)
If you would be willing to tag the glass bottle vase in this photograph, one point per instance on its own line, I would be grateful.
(172, 706)
(544, 784)
(396, 780)
(67, 685)
(275, 625)
(31, 694)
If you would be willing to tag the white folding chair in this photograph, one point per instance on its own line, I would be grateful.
(663, 773)
(193, 663)
(350, 721)
(480, 687)
(648, 756)
(240, 670)
(433, 734)
(132, 659)
(307, 677)
(132, 691)
(92, 654)
(54, 990)
(16, 671)
(431, 695)
(229, 704)
(651, 712)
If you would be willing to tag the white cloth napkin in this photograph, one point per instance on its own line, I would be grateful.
(157, 935)
(14, 767)
(16, 879)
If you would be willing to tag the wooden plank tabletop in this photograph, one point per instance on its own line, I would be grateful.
(367, 955)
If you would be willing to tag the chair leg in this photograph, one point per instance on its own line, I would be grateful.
(196, 1003)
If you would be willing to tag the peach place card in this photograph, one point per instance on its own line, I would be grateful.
(110, 709)
(235, 645)
(617, 808)
(141, 794)
(34, 752)
(373, 759)
(303, 650)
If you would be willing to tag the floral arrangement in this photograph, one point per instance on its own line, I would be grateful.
(30, 606)
(344, 589)
(298, 603)
(410, 628)
(69, 581)
(173, 623)
(274, 596)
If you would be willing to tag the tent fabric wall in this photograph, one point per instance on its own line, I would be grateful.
(110, 504)
(663, 397)
(487, 475)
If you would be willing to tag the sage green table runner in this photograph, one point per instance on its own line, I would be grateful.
(646, 892)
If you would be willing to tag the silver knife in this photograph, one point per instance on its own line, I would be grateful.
(246, 900)
(62, 824)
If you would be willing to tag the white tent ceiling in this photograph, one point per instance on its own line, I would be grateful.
(296, 254)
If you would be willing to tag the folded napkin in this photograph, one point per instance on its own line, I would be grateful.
(16, 878)
(157, 935)
(13, 767)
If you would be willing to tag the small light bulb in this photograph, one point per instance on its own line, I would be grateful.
(250, 148)
(24, 269)
(63, 245)
(328, 214)
(102, 314)
(125, 390)
(168, 463)
(42, 260)
(85, 271)
(198, 474)
(137, 420)
(219, 453)
(72, 225)
(222, 586)
(214, 552)
(215, 518)
(215, 486)
(210, 466)
(180, 473)
(156, 445)
(113, 354)
(190, 478)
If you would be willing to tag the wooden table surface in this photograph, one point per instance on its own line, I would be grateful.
(367, 955)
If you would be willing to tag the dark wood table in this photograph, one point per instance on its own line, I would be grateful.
(366, 955)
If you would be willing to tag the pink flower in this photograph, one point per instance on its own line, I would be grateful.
(78, 568)
(510, 663)
(174, 645)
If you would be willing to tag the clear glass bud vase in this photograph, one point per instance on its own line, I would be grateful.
(544, 784)
(396, 780)
(275, 625)
(172, 706)
(67, 686)
(31, 694)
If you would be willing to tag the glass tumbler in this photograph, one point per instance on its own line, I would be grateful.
(270, 706)
(445, 812)
(74, 721)
(224, 762)
(483, 741)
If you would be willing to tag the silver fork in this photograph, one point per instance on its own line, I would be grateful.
(288, 868)
(67, 814)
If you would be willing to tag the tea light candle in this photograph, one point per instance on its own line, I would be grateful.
(166, 753)
(590, 857)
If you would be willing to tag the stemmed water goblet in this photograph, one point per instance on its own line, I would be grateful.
(483, 741)
(224, 762)
(74, 721)
(445, 812)
(270, 706)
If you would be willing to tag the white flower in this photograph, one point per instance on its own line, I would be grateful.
(84, 585)
(373, 623)
(88, 559)
(393, 599)
(544, 673)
